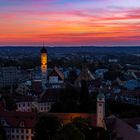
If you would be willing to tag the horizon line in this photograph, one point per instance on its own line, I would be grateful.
(68, 46)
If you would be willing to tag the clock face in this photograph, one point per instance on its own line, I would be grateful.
(44, 59)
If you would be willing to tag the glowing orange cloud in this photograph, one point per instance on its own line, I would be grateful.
(71, 27)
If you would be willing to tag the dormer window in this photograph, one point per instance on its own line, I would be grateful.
(21, 124)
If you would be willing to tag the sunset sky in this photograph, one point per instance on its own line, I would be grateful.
(70, 22)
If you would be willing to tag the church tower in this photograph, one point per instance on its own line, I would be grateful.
(100, 109)
(44, 59)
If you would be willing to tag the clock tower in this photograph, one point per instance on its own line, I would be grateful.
(44, 59)
(100, 109)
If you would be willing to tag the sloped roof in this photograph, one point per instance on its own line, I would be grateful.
(100, 95)
(22, 98)
(137, 74)
(122, 129)
(14, 118)
(51, 95)
(85, 75)
(57, 72)
(132, 121)
(43, 50)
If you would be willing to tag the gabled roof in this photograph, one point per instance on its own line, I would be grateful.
(14, 118)
(57, 72)
(85, 75)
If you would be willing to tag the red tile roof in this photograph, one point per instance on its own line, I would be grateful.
(122, 129)
(133, 121)
(51, 95)
(14, 118)
(37, 86)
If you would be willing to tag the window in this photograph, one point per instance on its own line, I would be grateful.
(32, 138)
(27, 137)
(100, 104)
(13, 136)
(22, 136)
(27, 131)
(22, 130)
(8, 130)
(17, 136)
(21, 124)
(17, 131)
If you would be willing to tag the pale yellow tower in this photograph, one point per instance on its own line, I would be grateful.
(44, 60)
(100, 109)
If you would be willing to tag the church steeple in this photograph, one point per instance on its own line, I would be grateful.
(44, 60)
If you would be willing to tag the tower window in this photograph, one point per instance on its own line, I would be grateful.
(100, 104)
(21, 124)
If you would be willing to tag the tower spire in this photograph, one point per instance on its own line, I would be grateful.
(44, 60)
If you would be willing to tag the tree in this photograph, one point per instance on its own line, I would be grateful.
(46, 127)
(68, 101)
(84, 125)
(90, 132)
(10, 103)
(70, 132)
(101, 133)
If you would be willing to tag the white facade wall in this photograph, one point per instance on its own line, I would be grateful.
(24, 106)
(19, 134)
(100, 112)
(45, 106)
(28, 106)
(55, 82)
